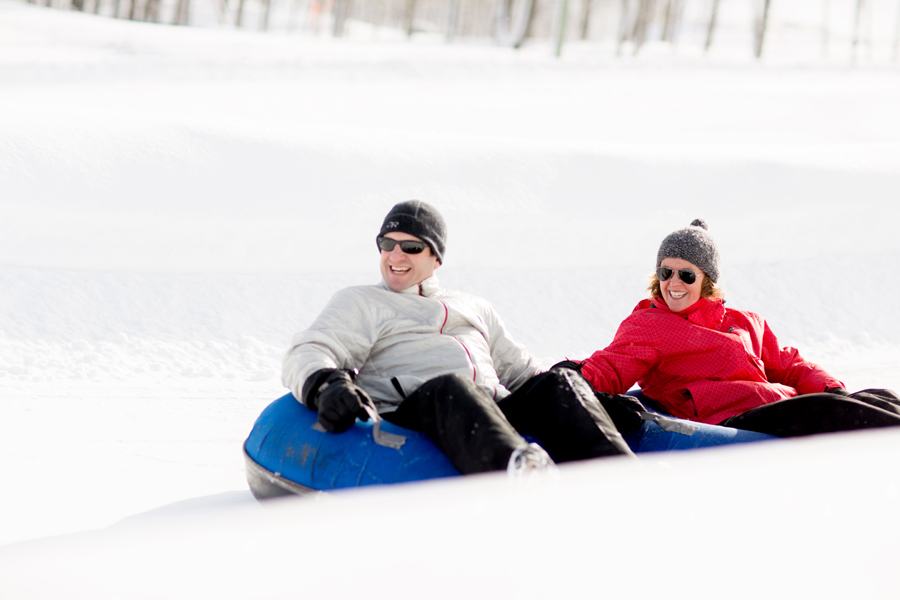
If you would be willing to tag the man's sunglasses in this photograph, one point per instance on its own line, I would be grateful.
(685, 275)
(408, 246)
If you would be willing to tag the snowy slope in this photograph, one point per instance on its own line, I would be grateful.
(784, 520)
(177, 202)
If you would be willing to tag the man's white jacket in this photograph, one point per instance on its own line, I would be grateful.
(400, 340)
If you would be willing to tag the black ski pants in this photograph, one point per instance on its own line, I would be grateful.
(478, 434)
(821, 413)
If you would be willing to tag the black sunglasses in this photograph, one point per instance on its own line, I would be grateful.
(408, 246)
(685, 275)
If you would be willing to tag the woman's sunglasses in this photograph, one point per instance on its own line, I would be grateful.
(408, 246)
(685, 275)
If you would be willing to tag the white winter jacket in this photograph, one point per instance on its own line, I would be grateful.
(410, 336)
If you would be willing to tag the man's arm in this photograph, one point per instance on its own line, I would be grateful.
(513, 363)
(340, 338)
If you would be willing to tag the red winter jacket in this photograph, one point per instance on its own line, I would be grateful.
(704, 363)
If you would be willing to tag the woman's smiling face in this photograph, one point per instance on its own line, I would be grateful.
(677, 294)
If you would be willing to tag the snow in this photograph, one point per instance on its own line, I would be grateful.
(178, 202)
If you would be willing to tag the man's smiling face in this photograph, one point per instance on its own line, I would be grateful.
(401, 270)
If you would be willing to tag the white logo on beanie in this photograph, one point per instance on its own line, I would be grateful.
(392, 225)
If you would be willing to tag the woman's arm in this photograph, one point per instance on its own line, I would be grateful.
(787, 367)
(628, 358)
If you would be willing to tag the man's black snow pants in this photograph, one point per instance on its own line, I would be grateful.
(478, 434)
(821, 413)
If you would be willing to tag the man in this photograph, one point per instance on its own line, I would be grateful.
(441, 362)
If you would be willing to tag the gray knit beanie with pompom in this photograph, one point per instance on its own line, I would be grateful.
(693, 244)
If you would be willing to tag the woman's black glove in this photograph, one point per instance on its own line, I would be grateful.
(625, 411)
(338, 400)
(567, 364)
(837, 390)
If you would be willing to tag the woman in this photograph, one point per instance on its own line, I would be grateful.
(700, 361)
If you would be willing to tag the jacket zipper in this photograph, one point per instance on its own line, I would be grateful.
(446, 316)
(468, 354)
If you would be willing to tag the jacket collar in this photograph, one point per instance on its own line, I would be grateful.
(427, 287)
(707, 312)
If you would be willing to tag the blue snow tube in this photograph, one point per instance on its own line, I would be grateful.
(285, 454)
(669, 433)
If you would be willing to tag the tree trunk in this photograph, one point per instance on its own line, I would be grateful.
(239, 16)
(668, 21)
(294, 7)
(186, 13)
(623, 27)
(674, 10)
(222, 11)
(410, 17)
(586, 7)
(826, 21)
(340, 11)
(856, 27)
(897, 36)
(512, 27)
(182, 10)
(645, 12)
(712, 25)
(761, 30)
(267, 7)
(452, 20)
(151, 11)
(132, 10)
(677, 16)
(562, 7)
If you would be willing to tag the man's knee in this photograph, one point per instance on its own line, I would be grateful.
(453, 392)
(451, 383)
(559, 384)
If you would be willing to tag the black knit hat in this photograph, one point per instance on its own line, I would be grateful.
(421, 220)
(693, 244)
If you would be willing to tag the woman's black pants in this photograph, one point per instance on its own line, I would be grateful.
(478, 434)
(821, 413)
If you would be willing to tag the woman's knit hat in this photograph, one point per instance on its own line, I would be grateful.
(693, 244)
(421, 220)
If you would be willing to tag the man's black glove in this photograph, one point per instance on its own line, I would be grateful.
(837, 390)
(338, 400)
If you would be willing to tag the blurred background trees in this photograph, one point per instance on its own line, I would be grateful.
(857, 29)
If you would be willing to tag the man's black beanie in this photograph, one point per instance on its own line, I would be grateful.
(421, 220)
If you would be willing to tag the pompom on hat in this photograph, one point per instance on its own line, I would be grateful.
(693, 244)
(421, 220)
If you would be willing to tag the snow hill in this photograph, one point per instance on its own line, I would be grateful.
(177, 202)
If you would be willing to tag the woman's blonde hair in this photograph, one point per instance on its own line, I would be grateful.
(708, 288)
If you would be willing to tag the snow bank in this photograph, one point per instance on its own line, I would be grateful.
(782, 519)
